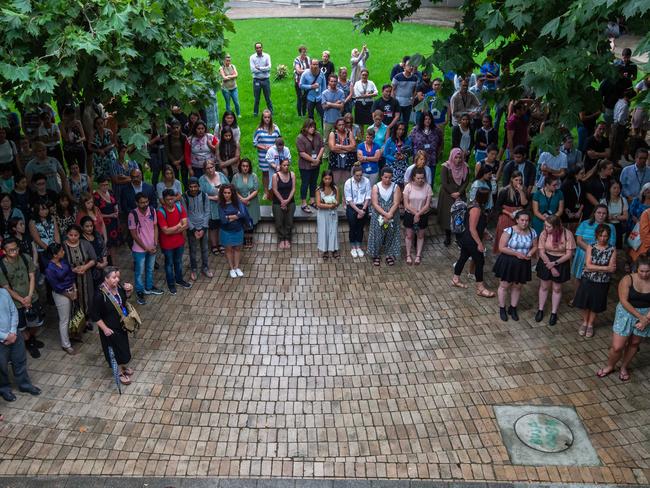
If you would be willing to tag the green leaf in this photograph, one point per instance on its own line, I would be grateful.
(115, 86)
(550, 29)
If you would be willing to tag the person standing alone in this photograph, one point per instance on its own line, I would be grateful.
(260, 64)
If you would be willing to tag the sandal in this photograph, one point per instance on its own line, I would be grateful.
(215, 250)
(624, 376)
(222, 250)
(390, 260)
(306, 209)
(590, 331)
(326, 256)
(417, 261)
(336, 255)
(313, 205)
(376, 262)
(128, 371)
(485, 293)
(409, 260)
(124, 379)
(458, 284)
(602, 373)
(582, 330)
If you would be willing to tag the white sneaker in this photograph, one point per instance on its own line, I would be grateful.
(360, 253)
(239, 272)
(354, 252)
(233, 273)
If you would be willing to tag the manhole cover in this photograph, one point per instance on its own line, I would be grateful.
(543, 432)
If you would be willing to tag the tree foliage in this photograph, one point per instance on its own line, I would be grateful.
(556, 48)
(128, 51)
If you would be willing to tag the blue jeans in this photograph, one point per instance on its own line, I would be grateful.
(263, 85)
(231, 95)
(583, 134)
(143, 262)
(16, 354)
(173, 265)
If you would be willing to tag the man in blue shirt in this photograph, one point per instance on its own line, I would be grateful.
(12, 348)
(313, 82)
(491, 71)
(332, 103)
(634, 176)
(439, 112)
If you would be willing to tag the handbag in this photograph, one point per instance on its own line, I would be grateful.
(131, 322)
(77, 320)
(634, 237)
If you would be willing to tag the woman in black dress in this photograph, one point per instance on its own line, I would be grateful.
(110, 297)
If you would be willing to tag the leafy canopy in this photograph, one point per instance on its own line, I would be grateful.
(126, 50)
(556, 48)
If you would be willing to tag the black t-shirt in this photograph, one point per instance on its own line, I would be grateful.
(574, 196)
(594, 144)
(598, 189)
(326, 68)
(50, 198)
(390, 108)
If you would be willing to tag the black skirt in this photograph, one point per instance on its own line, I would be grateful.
(422, 224)
(591, 296)
(512, 270)
(363, 112)
(544, 274)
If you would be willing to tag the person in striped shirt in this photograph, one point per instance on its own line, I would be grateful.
(265, 135)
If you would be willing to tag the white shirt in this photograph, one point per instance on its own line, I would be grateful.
(357, 193)
(621, 112)
(260, 66)
(360, 88)
(7, 152)
(409, 172)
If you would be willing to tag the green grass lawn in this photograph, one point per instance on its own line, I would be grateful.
(281, 38)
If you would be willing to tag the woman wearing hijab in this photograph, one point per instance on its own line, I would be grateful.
(454, 178)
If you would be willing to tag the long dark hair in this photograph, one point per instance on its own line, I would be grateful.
(327, 172)
(223, 119)
(482, 197)
(421, 120)
(234, 199)
(227, 149)
(393, 132)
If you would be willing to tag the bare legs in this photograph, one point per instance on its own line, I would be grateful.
(625, 347)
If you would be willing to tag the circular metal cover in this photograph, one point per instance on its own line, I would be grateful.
(543, 432)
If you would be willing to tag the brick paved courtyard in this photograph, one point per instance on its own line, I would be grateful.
(337, 370)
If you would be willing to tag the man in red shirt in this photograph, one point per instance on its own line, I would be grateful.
(517, 127)
(172, 220)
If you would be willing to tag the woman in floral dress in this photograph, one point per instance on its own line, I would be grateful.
(384, 219)
(103, 150)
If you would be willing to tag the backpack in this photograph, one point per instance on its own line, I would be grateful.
(186, 199)
(164, 212)
(459, 210)
(136, 219)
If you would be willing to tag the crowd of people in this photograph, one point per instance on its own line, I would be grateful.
(71, 197)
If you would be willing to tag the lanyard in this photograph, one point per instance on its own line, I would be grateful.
(636, 171)
(578, 190)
